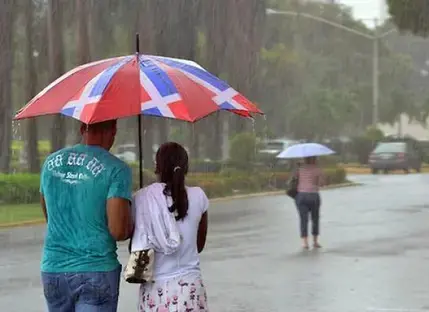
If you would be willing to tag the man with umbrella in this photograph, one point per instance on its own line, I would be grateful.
(108, 89)
(85, 194)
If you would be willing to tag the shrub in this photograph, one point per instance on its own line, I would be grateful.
(198, 165)
(242, 149)
(329, 161)
(148, 176)
(19, 188)
(24, 188)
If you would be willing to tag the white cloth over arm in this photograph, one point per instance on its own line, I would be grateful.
(155, 226)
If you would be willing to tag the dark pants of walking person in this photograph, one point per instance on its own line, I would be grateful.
(308, 205)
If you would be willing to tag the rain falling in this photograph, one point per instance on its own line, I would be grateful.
(248, 88)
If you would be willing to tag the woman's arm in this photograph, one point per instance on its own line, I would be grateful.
(321, 179)
(202, 232)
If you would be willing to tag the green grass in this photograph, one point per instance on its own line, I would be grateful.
(19, 213)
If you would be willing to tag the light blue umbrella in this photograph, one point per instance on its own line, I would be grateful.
(305, 150)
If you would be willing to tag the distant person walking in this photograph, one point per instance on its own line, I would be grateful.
(177, 281)
(310, 178)
(85, 196)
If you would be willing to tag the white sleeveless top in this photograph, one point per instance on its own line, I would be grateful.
(186, 259)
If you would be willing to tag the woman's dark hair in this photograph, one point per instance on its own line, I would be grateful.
(310, 160)
(172, 167)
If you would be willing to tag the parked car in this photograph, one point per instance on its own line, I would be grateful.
(389, 156)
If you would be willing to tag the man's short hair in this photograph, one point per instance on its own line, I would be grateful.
(100, 126)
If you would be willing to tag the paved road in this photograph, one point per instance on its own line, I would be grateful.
(375, 255)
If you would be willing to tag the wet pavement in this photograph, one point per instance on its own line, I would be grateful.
(375, 255)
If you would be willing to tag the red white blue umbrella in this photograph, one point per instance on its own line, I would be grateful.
(132, 85)
(137, 85)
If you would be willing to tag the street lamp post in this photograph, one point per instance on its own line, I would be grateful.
(375, 75)
(375, 49)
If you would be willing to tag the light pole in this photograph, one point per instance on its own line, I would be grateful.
(375, 49)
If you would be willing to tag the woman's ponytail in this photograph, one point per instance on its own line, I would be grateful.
(179, 194)
(171, 168)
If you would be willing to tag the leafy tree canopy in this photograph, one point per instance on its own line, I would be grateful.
(410, 15)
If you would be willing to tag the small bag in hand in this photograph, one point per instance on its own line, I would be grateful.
(292, 186)
(139, 269)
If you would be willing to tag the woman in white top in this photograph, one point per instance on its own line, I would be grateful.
(178, 285)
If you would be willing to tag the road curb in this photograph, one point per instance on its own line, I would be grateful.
(22, 224)
(213, 200)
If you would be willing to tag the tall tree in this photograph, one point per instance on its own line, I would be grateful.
(83, 47)
(30, 87)
(165, 19)
(146, 28)
(189, 13)
(101, 26)
(56, 68)
(6, 61)
(83, 44)
(218, 24)
(245, 42)
(410, 15)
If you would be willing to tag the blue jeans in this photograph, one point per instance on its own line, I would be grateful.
(308, 205)
(82, 292)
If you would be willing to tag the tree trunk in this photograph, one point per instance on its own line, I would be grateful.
(6, 61)
(244, 50)
(166, 19)
(83, 50)
(218, 24)
(83, 44)
(189, 13)
(194, 140)
(30, 87)
(145, 26)
(101, 27)
(56, 68)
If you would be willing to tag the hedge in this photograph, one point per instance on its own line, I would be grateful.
(24, 188)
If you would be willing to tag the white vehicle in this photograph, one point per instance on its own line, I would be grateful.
(271, 148)
(127, 152)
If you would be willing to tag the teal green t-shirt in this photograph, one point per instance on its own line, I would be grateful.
(76, 183)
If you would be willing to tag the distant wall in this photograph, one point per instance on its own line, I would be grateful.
(413, 129)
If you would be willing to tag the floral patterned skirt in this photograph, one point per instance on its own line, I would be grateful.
(185, 293)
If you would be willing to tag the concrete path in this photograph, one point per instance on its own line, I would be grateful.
(375, 255)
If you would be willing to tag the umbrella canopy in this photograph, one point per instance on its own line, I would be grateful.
(305, 150)
(132, 85)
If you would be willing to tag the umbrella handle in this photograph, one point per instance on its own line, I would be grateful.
(137, 43)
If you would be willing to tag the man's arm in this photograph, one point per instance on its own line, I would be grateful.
(118, 207)
(119, 218)
(43, 204)
(42, 197)
(321, 178)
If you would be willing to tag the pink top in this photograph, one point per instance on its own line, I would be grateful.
(310, 178)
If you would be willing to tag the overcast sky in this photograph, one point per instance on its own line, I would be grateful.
(367, 9)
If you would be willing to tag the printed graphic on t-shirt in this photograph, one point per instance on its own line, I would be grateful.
(68, 166)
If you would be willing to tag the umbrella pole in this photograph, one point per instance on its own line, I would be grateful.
(140, 151)
(139, 120)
